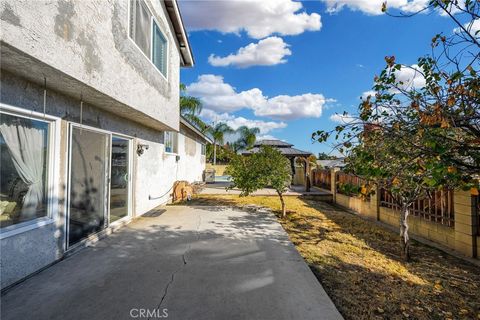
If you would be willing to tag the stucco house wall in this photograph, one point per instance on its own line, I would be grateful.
(83, 50)
(89, 41)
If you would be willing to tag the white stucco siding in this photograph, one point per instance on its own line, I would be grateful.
(192, 163)
(157, 171)
(89, 41)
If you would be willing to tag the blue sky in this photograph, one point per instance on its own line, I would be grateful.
(326, 68)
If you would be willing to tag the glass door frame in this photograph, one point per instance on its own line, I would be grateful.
(130, 180)
(106, 224)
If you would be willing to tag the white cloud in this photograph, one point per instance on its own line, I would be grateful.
(407, 78)
(291, 107)
(267, 137)
(266, 52)
(374, 7)
(342, 118)
(236, 122)
(369, 93)
(259, 19)
(222, 97)
(410, 77)
(473, 27)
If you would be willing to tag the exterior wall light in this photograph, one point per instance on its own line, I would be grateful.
(141, 148)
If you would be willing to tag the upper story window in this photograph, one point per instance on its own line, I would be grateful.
(146, 33)
(204, 149)
(171, 142)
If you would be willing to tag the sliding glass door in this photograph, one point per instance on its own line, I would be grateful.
(100, 190)
(89, 168)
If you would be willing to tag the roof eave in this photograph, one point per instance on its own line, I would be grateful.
(180, 33)
(186, 123)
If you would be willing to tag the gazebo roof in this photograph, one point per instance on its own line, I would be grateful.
(273, 143)
(286, 151)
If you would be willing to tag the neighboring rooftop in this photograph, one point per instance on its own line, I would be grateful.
(335, 163)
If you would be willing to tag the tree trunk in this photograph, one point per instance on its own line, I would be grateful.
(284, 209)
(214, 153)
(404, 238)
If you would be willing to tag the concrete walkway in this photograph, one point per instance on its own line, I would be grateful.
(186, 262)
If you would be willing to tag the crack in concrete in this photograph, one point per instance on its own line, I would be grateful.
(184, 259)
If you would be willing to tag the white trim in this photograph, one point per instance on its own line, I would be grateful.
(130, 180)
(25, 226)
(151, 37)
(53, 170)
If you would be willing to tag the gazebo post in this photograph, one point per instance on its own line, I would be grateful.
(292, 165)
(307, 175)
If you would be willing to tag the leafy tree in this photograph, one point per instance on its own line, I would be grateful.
(218, 132)
(235, 146)
(413, 140)
(247, 138)
(325, 156)
(223, 155)
(267, 168)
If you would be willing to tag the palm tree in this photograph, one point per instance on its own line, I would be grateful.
(217, 132)
(190, 108)
(248, 136)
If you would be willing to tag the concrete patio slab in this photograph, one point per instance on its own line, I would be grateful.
(188, 263)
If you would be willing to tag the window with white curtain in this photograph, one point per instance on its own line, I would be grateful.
(140, 27)
(171, 142)
(146, 33)
(23, 170)
(204, 149)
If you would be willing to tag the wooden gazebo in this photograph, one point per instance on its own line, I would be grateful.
(288, 151)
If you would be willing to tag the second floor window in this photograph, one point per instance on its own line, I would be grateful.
(146, 33)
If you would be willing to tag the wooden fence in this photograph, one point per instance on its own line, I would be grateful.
(438, 208)
(322, 178)
(348, 184)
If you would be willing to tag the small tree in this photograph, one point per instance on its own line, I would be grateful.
(413, 139)
(267, 168)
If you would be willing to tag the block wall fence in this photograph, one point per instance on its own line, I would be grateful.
(462, 234)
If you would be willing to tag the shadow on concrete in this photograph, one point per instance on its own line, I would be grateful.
(198, 263)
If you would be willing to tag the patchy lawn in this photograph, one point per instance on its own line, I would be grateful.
(359, 266)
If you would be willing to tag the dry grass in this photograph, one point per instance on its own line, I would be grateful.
(358, 264)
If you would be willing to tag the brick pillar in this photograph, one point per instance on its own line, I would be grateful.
(333, 183)
(465, 238)
(375, 202)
